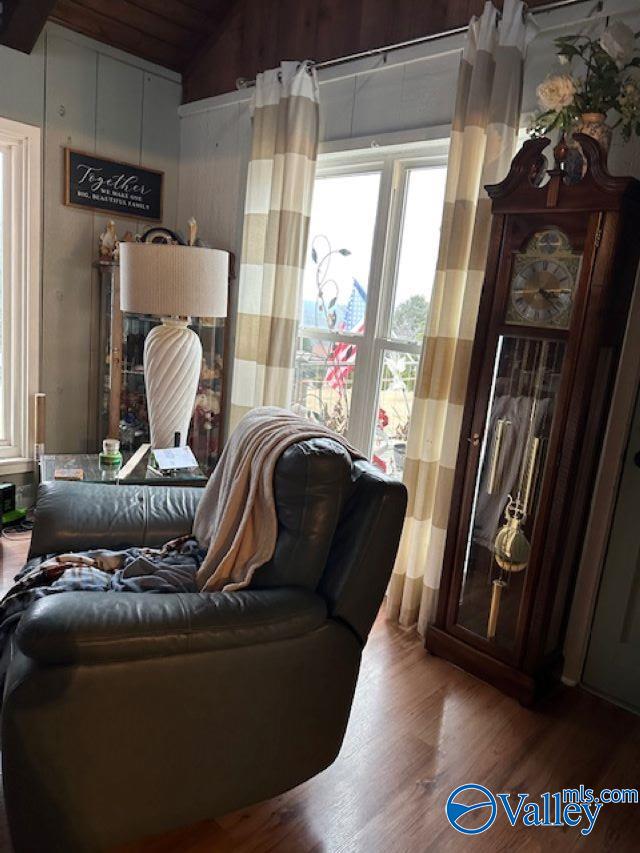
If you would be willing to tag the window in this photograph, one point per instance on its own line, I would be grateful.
(373, 244)
(19, 289)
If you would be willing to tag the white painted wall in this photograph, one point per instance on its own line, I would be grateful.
(98, 99)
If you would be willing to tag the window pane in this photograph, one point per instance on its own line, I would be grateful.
(341, 230)
(419, 242)
(323, 382)
(395, 399)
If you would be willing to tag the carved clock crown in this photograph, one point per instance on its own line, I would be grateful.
(525, 187)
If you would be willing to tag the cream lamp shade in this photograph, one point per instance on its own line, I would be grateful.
(169, 280)
(172, 282)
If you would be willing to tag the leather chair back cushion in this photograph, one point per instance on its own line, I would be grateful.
(312, 482)
(364, 548)
(119, 516)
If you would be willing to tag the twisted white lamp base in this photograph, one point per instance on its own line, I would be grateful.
(172, 362)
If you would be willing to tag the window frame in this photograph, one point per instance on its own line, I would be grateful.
(394, 163)
(21, 145)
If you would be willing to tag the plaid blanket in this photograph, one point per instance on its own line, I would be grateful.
(171, 568)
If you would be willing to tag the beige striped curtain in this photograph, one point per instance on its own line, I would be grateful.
(483, 140)
(276, 223)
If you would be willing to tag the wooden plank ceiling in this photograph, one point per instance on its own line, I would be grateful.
(214, 42)
(21, 23)
(259, 34)
(169, 32)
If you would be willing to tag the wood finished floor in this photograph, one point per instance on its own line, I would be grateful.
(419, 728)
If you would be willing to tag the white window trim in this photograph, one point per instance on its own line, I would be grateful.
(393, 156)
(21, 287)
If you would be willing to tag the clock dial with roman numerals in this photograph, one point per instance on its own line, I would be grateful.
(543, 282)
(541, 293)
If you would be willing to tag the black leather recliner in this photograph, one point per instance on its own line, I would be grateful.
(127, 715)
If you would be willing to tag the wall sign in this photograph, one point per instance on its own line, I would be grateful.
(109, 186)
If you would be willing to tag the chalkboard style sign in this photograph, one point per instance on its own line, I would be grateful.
(108, 186)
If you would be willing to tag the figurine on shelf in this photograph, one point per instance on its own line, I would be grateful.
(129, 237)
(206, 407)
(107, 243)
(192, 234)
(192, 231)
(210, 372)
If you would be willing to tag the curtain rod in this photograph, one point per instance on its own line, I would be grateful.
(244, 83)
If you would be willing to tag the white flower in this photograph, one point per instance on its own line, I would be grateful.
(618, 41)
(563, 59)
(556, 92)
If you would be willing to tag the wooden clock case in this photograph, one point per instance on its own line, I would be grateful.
(600, 214)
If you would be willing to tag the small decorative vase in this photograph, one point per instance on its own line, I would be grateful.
(595, 125)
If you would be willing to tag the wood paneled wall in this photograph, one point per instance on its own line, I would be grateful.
(97, 102)
(88, 96)
(258, 35)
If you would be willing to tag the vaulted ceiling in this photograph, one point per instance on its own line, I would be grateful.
(213, 42)
(168, 32)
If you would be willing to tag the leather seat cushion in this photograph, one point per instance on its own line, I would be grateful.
(94, 627)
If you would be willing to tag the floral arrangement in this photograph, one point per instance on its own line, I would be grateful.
(609, 82)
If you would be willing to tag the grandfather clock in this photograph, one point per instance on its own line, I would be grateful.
(559, 276)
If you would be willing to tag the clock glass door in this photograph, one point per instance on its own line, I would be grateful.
(522, 398)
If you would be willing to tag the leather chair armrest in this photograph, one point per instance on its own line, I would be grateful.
(78, 516)
(98, 627)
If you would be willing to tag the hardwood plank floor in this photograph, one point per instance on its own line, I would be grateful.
(419, 728)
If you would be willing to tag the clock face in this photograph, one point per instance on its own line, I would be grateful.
(543, 282)
(541, 293)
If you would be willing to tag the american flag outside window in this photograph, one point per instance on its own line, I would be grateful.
(342, 357)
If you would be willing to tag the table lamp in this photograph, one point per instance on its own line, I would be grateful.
(172, 282)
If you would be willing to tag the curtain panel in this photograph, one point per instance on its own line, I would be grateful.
(280, 180)
(483, 140)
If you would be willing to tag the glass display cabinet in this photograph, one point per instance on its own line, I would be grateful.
(525, 380)
(561, 264)
(122, 409)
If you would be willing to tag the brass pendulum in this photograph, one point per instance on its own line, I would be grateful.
(511, 551)
(496, 592)
(511, 547)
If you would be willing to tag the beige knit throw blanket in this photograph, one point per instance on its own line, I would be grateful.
(236, 519)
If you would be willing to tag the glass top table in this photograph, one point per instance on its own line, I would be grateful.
(95, 472)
